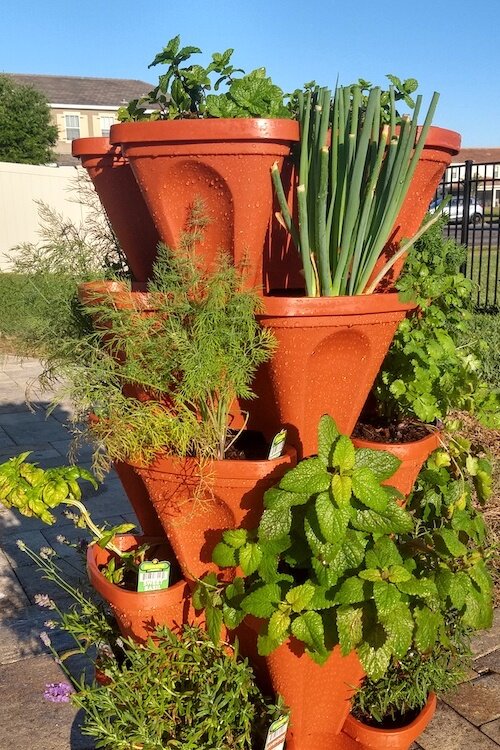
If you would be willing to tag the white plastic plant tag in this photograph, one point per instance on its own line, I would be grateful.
(277, 733)
(278, 445)
(153, 576)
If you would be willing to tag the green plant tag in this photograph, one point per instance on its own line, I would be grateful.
(278, 445)
(277, 733)
(153, 576)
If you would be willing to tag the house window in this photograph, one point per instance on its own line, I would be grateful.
(496, 171)
(106, 123)
(72, 123)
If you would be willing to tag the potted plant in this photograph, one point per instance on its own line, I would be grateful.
(432, 367)
(183, 142)
(336, 565)
(353, 174)
(113, 556)
(190, 359)
(122, 200)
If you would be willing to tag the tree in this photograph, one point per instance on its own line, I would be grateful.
(26, 131)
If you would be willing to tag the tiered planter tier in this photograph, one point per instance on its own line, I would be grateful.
(225, 163)
(196, 500)
(330, 350)
(122, 200)
(370, 738)
(412, 455)
(139, 613)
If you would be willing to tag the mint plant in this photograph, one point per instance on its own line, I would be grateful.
(336, 559)
(182, 92)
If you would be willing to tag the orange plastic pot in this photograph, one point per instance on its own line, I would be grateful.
(138, 614)
(122, 200)
(389, 739)
(224, 162)
(139, 499)
(440, 147)
(412, 456)
(330, 350)
(195, 501)
(319, 697)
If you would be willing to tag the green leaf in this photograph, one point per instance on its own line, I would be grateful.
(427, 624)
(282, 499)
(398, 574)
(352, 591)
(332, 521)
(383, 554)
(249, 557)
(371, 574)
(309, 476)
(422, 587)
(275, 523)
(300, 596)
(460, 586)
(327, 437)
(367, 489)
(266, 645)
(399, 626)
(349, 627)
(278, 626)
(382, 463)
(386, 596)
(214, 623)
(392, 520)
(224, 555)
(235, 537)
(342, 489)
(232, 616)
(262, 602)
(452, 542)
(344, 454)
(375, 661)
(480, 574)
(308, 627)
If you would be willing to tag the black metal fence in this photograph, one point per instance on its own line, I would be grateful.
(473, 221)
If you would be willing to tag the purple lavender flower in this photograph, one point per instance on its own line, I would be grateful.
(58, 692)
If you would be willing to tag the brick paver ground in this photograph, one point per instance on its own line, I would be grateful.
(468, 719)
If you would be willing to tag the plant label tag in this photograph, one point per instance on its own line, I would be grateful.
(277, 733)
(278, 445)
(153, 576)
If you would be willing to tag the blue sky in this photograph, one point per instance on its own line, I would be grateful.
(451, 47)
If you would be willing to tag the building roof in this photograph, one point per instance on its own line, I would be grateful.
(100, 92)
(477, 155)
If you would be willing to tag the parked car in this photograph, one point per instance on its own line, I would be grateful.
(454, 210)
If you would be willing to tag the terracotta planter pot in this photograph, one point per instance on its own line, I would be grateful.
(226, 163)
(412, 456)
(122, 200)
(330, 351)
(139, 499)
(195, 502)
(318, 696)
(138, 614)
(440, 147)
(390, 739)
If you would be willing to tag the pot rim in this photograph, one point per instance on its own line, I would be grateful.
(200, 130)
(113, 593)
(360, 304)
(396, 448)
(95, 146)
(221, 469)
(360, 732)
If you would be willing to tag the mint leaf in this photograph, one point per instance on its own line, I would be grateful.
(398, 624)
(278, 625)
(274, 524)
(349, 627)
(309, 476)
(332, 521)
(367, 489)
(235, 537)
(426, 632)
(398, 574)
(352, 591)
(342, 489)
(249, 557)
(309, 629)
(344, 454)
(383, 554)
(224, 555)
(392, 520)
(327, 436)
(460, 586)
(382, 463)
(262, 602)
(452, 542)
(300, 596)
(386, 597)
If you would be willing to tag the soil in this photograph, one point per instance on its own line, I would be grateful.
(402, 431)
(250, 446)
(389, 723)
(155, 552)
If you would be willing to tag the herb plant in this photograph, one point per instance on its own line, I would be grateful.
(182, 92)
(434, 362)
(351, 186)
(335, 559)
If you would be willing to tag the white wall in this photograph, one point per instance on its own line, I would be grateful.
(20, 186)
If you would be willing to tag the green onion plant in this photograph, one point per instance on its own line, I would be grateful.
(354, 171)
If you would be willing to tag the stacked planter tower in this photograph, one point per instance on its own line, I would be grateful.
(329, 352)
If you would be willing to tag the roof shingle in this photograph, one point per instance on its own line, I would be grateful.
(100, 92)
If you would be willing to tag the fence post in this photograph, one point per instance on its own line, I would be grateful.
(464, 240)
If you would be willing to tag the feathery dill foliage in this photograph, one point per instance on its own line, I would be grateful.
(194, 354)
